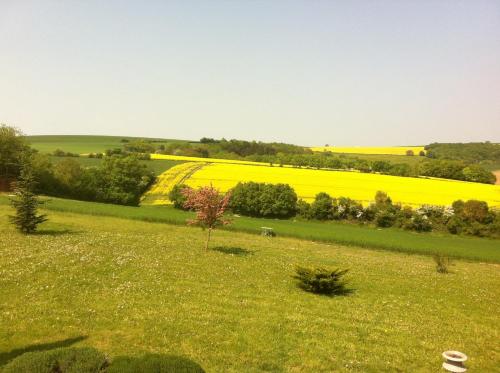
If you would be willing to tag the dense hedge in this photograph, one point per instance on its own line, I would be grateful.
(470, 217)
(457, 170)
(263, 200)
(470, 152)
(118, 179)
(280, 201)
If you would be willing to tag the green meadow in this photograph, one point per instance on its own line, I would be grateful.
(82, 144)
(129, 287)
(469, 248)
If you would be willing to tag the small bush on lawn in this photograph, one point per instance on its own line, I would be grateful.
(442, 263)
(154, 363)
(60, 360)
(321, 280)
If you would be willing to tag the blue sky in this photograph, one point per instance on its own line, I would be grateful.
(306, 72)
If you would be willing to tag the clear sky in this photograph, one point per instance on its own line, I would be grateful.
(306, 72)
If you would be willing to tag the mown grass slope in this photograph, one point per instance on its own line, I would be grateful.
(81, 144)
(133, 287)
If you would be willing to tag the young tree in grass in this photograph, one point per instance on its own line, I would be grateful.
(209, 206)
(26, 201)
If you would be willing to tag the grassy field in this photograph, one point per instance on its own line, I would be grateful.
(477, 249)
(81, 144)
(356, 185)
(394, 150)
(128, 287)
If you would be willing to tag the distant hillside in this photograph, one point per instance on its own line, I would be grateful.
(83, 144)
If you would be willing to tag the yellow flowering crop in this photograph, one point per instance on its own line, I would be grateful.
(356, 185)
(158, 194)
(392, 150)
(199, 159)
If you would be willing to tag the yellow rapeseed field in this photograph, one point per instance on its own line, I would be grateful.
(158, 194)
(392, 150)
(199, 159)
(359, 186)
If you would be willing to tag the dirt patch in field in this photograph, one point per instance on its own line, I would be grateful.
(497, 174)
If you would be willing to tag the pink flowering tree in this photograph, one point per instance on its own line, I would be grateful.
(209, 206)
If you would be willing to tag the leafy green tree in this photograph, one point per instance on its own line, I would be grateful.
(26, 201)
(121, 180)
(322, 207)
(278, 200)
(13, 148)
(177, 197)
(264, 200)
(478, 174)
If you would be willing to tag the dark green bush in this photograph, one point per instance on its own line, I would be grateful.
(419, 223)
(304, 209)
(322, 207)
(154, 363)
(176, 196)
(385, 218)
(264, 200)
(321, 280)
(478, 174)
(61, 360)
(346, 208)
(455, 225)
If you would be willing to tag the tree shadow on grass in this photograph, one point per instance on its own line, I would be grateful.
(54, 232)
(232, 250)
(154, 363)
(5, 357)
(339, 293)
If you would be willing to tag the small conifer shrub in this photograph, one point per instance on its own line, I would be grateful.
(321, 280)
(26, 202)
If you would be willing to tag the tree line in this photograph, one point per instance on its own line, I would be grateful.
(253, 199)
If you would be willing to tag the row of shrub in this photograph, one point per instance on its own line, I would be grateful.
(280, 201)
(470, 217)
(117, 179)
(90, 360)
(62, 153)
(455, 170)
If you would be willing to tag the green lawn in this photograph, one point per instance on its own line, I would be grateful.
(81, 143)
(128, 287)
(480, 249)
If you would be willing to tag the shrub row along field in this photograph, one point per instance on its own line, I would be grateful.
(358, 186)
(481, 249)
(128, 288)
(392, 150)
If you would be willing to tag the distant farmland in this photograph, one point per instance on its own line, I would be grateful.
(308, 182)
(82, 144)
(389, 150)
